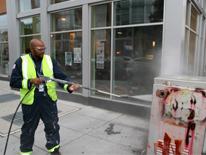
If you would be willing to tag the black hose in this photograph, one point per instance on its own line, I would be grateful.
(7, 140)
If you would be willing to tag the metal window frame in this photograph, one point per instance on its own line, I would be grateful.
(66, 31)
(28, 10)
(204, 49)
(30, 35)
(197, 43)
(29, 13)
(70, 4)
(201, 54)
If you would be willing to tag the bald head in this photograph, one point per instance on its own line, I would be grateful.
(37, 48)
(35, 42)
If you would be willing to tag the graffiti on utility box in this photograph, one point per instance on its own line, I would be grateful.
(178, 116)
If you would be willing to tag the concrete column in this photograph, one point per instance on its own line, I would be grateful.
(45, 25)
(173, 36)
(13, 32)
(85, 50)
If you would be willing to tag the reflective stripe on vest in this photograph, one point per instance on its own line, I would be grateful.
(26, 153)
(29, 72)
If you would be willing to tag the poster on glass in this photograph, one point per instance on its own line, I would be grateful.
(68, 58)
(77, 55)
(100, 56)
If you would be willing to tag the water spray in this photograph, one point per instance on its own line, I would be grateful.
(81, 86)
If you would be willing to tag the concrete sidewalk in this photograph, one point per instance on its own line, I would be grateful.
(84, 130)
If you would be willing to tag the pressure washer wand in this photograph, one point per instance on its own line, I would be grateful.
(67, 82)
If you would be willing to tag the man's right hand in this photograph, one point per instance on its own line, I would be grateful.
(36, 81)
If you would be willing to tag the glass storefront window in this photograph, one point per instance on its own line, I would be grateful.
(101, 15)
(187, 14)
(191, 34)
(137, 57)
(194, 17)
(4, 58)
(24, 41)
(136, 52)
(4, 52)
(67, 51)
(67, 20)
(191, 54)
(184, 54)
(204, 5)
(138, 11)
(58, 1)
(3, 35)
(205, 54)
(25, 5)
(3, 22)
(30, 25)
(66, 47)
(29, 29)
(101, 60)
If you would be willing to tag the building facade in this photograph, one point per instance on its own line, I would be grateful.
(117, 46)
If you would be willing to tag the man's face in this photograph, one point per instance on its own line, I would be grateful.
(38, 49)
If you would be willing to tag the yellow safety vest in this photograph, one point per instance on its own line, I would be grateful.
(29, 72)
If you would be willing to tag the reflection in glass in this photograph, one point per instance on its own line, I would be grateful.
(28, 4)
(101, 15)
(58, 1)
(137, 57)
(4, 52)
(138, 11)
(204, 5)
(67, 20)
(187, 14)
(30, 25)
(185, 53)
(25, 42)
(4, 58)
(101, 60)
(190, 42)
(3, 35)
(205, 56)
(191, 55)
(194, 18)
(67, 51)
(3, 21)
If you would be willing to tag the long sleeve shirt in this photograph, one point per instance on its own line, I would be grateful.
(16, 76)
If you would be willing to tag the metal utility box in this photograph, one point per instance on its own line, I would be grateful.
(178, 116)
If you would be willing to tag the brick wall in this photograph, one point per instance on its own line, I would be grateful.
(2, 6)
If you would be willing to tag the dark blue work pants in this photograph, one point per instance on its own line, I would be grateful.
(45, 109)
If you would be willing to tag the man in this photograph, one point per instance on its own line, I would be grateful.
(40, 102)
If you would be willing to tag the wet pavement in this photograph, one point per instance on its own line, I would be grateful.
(84, 130)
